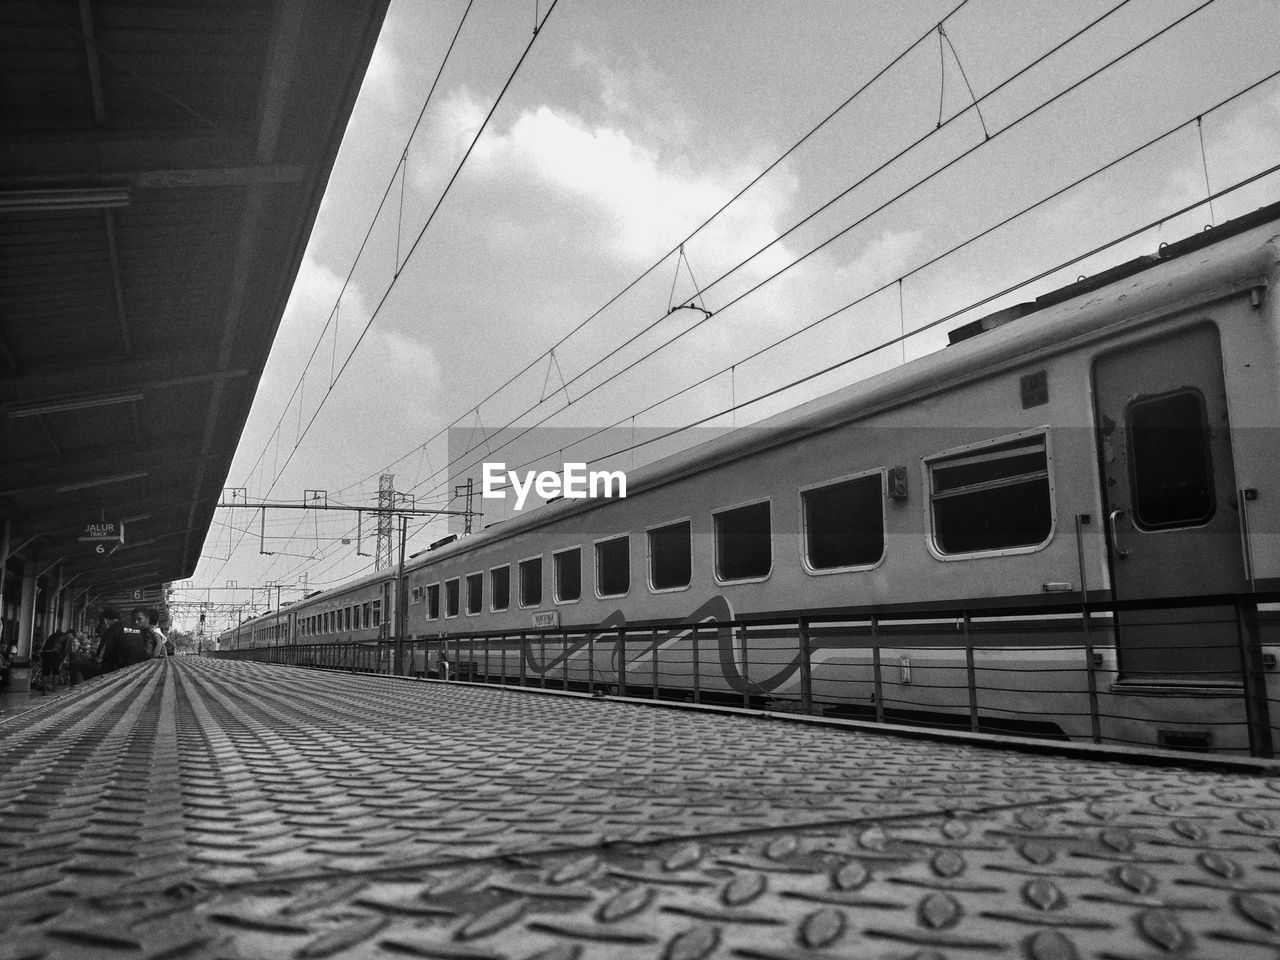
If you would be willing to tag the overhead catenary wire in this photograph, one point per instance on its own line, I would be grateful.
(333, 380)
(549, 352)
(845, 230)
(830, 368)
(736, 406)
(422, 112)
(746, 403)
(699, 292)
(417, 240)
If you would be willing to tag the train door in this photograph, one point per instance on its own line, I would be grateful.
(1168, 498)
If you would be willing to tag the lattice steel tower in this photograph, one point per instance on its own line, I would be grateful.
(386, 503)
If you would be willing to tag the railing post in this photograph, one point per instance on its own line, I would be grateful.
(622, 661)
(806, 666)
(486, 658)
(654, 660)
(1257, 714)
(564, 658)
(746, 668)
(696, 653)
(970, 677)
(1095, 720)
(542, 640)
(591, 662)
(875, 668)
(524, 661)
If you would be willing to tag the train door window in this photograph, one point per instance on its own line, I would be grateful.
(415, 595)
(844, 523)
(433, 601)
(376, 607)
(500, 588)
(475, 592)
(744, 542)
(992, 497)
(531, 582)
(613, 567)
(451, 597)
(670, 556)
(1172, 468)
(568, 575)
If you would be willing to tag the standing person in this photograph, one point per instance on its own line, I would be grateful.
(159, 642)
(123, 646)
(87, 654)
(51, 659)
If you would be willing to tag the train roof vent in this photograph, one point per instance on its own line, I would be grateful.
(989, 322)
(442, 541)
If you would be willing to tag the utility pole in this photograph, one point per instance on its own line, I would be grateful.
(467, 491)
(401, 612)
(386, 501)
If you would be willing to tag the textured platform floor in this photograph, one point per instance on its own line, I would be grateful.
(199, 808)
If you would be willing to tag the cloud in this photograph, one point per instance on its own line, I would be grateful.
(641, 200)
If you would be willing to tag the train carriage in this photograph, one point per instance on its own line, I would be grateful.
(1070, 512)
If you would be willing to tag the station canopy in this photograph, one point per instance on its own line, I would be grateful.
(161, 166)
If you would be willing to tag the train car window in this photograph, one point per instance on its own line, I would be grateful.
(500, 588)
(531, 582)
(347, 617)
(433, 601)
(994, 497)
(368, 615)
(1170, 460)
(613, 567)
(670, 556)
(568, 575)
(475, 592)
(451, 598)
(744, 542)
(844, 523)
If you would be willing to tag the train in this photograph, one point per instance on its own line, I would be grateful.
(1063, 523)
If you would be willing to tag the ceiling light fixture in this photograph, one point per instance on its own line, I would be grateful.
(99, 482)
(67, 404)
(63, 198)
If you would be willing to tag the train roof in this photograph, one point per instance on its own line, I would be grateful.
(1234, 256)
(1243, 247)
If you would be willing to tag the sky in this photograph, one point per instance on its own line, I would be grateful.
(459, 291)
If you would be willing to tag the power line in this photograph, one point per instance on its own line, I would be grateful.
(845, 230)
(550, 351)
(515, 70)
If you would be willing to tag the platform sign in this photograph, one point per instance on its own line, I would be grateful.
(103, 531)
(546, 619)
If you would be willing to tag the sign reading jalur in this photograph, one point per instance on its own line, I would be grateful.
(103, 531)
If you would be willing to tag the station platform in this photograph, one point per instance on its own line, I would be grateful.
(197, 808)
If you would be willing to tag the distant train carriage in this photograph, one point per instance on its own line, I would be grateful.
(1110, 447)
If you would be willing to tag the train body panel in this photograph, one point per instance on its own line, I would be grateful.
(1114, 447)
